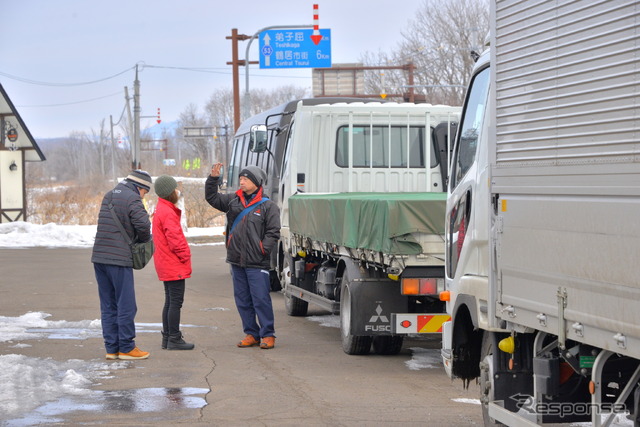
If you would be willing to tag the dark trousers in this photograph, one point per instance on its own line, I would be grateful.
(251, 287)
(117, 307)
(173, 299)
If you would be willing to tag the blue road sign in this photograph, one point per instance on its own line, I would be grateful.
(291, 48)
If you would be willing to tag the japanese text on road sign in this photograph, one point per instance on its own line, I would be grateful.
(294, 49)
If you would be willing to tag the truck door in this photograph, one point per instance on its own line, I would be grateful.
(464, 175)
(285, 177)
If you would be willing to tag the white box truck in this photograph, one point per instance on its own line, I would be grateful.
(543, 207)
(361, 187)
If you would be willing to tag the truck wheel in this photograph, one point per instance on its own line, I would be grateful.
(487, 391)
(294, 306)
(351, 344)
(387, 344)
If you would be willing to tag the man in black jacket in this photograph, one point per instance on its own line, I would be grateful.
(253, 230)
(113, 263)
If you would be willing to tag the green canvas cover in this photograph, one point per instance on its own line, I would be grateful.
(382, 222)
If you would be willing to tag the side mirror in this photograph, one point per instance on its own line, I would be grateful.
(258, 139)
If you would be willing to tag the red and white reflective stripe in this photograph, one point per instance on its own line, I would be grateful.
(413, 323)
(316, 21)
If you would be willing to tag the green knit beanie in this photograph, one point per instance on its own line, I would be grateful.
(164, 186)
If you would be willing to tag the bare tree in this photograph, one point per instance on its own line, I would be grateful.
(100, 137)
(192, 148)
(262, 99)
(219, 114)
(439, 41)
(219, 108)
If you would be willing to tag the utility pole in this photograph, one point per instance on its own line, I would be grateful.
(136, 121)
(102, 148)
(236, 63)
(131, 139)
(113, 151)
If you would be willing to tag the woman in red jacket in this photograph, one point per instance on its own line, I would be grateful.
(172, 259)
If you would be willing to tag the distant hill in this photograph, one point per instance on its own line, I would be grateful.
(157, 131)
(48, 144)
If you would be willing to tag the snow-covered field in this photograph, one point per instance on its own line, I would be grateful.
(21, 234)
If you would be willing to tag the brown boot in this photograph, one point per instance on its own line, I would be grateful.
(248, 341)
(134, 354)
(268, 342)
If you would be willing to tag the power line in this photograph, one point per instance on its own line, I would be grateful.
(198, 69)
(71, 103)
(211, 70)
(35, 82)
(195, 69)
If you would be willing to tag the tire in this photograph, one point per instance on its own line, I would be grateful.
(486, 378)
(387, 344)
(294, 306)
(274, 281)
(351, 344)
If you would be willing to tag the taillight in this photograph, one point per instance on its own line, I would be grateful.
(415, 286)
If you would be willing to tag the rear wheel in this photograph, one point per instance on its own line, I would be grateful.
(294, 306)
(351, 344)
(387, 344)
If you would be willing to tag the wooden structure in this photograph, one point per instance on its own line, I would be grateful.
(17, 146)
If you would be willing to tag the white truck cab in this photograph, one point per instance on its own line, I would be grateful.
(542, 234)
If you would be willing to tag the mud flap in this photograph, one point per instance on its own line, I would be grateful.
(372, 303)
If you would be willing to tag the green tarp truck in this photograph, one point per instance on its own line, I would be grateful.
(361, 191)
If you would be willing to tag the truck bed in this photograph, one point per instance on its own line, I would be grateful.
(566, 172)
(390, 223)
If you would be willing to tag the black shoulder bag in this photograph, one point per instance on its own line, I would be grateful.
(141, 252)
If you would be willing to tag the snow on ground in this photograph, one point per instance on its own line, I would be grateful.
(26, 383)
(20, 234)
(422, 358)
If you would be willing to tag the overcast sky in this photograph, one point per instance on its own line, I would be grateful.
(66, 42)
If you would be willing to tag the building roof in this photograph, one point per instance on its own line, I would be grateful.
(15, 126)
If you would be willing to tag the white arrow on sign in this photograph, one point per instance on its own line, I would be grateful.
(267, 58)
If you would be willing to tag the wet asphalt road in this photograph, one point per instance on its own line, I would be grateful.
(306, 380)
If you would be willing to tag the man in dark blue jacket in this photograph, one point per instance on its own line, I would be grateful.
(253, 231)
(113, 263)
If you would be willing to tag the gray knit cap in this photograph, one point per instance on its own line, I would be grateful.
(255, 174)
(140, 179)
(164, 186)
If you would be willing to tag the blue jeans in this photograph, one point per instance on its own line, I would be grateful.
(251, 287)
(117, 307)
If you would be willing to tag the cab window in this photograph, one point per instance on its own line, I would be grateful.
(469, 133)
(236, 162)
